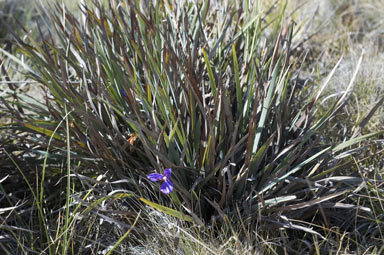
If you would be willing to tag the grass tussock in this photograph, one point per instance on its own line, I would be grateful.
(261, 159)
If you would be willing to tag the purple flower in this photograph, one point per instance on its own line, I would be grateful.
(123, 93)
(167, 185)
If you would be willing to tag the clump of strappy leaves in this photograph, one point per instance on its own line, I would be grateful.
(206, 89)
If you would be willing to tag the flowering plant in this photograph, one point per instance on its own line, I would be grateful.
(167, 185)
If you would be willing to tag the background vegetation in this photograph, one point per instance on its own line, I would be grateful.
(269, 114)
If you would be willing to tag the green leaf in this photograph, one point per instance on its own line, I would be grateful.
(44, 131)
(239, 96)
(167, 210)
(355, 140)
(266, 107)
(210, 74)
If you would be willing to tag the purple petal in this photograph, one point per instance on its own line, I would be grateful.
(155, 177)
(168, 172)
(166, 187)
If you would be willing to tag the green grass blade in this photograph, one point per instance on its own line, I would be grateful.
(68, 190)
(266, 106)
(239, 96)
(212, 81)
(167, 210)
